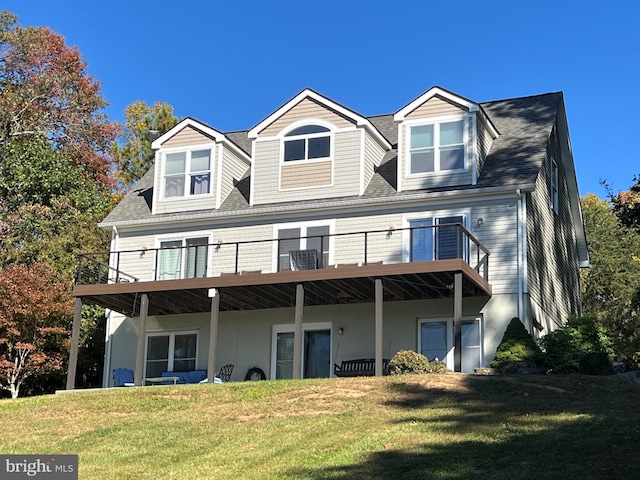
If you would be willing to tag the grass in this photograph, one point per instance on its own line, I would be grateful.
(415, 427)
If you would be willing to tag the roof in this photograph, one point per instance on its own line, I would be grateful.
(514, 161)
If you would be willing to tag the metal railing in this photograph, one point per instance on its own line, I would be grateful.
(418, 243)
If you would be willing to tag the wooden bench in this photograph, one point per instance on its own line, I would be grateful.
(361, 367)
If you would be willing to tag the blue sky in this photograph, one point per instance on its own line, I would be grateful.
(231, 64)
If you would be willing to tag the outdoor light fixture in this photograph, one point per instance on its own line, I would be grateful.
(480, 221)
(340, 331)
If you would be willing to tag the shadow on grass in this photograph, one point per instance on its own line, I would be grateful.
(507, 428)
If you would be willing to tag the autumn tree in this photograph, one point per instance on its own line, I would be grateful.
(55, 161)
(611, 286)
(34, 316)
(132, 152)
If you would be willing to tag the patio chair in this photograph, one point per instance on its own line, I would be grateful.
(123, 377)
(225, 371)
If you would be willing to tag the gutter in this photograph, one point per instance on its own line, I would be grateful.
(382, 203)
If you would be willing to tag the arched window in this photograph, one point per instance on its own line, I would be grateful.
(307, 142)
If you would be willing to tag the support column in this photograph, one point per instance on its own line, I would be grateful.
(213, 333)
(457, 322)
(379, 325)
(75, 341)
(142, 335)
(297, 332)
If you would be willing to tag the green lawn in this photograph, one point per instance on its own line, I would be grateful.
(416, 427)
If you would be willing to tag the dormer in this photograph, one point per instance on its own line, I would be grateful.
(443, 140)
(196, 167)
(313, 148)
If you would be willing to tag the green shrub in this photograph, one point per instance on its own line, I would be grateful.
(517, 349)
(581, 346)
(408, 361)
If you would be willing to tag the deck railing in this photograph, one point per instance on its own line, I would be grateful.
(392, 245)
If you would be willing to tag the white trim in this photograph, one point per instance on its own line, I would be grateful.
(252, 178)
(307, 93)
(403, 112)
(188, 151)
(449, 359)
(306, 327)
(183, 237)
(428, 215)
(363, 150)
(219, 177)
(171, 353)
(303, 226)
(475, 161)
(436, 122)
(190, 122)
(400, 156)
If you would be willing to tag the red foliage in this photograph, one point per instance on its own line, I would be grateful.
(35, 309)
(46, 91)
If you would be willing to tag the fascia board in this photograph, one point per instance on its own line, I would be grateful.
(403, 112)
(308, 93)
(353, 204)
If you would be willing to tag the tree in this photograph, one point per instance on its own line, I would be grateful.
(47, 94)
(34, 316)
(626, 204)
(55, 166)
(612, 284)
(133, 153)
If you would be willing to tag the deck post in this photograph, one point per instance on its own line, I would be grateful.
(214, 294)
(457, 322)
(142, 334)
(379, 326)
(75, 341)
(297, 332)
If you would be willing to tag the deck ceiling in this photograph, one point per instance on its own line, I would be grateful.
(253, 291)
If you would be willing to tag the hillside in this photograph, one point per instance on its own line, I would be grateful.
(421, 427)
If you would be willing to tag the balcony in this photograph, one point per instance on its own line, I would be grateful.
(414, 263)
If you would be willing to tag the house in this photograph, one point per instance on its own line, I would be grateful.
(322, 235)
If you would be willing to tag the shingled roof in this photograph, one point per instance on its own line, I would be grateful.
(515, 159)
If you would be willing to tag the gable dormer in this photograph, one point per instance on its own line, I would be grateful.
(443, 139)
(313, 148)
(196, 167)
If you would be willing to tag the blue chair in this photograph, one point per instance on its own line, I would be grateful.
(123, 377)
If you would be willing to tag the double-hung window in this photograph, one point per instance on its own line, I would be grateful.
(185, 258)
(171, 352)
(436, 147)
(309, 142)
(436, 238)
(303, 247)
(187, 173)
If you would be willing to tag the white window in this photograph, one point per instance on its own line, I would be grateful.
(187, 173)
(553, 185)
(183, 258)
(436, 341)
(436, 237)
(308, 142)
(303, 246)
(436, 147)
(171, 352)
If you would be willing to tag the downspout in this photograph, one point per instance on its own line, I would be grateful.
(519, 254)
(107, 315)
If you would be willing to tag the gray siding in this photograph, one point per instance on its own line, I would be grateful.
(275, 182)
(233, 169)
(553, 266)
(373, 154)
(484, 140)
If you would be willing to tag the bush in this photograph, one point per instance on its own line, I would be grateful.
(581, 346)
(517, 350)
(408, 361)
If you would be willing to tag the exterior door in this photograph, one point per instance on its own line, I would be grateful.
(436, 341)
(316, 353)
